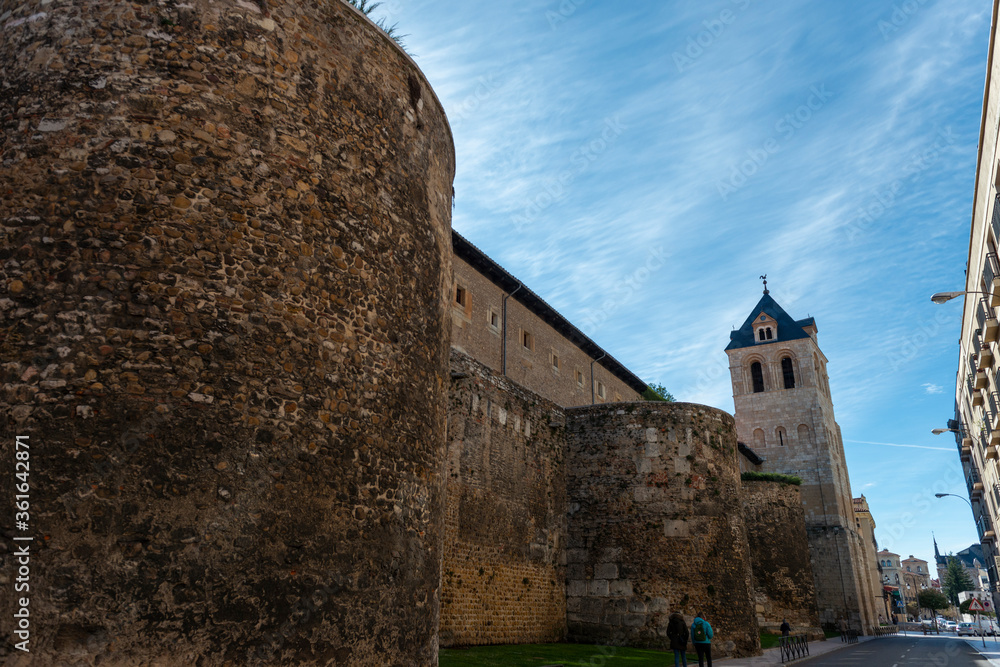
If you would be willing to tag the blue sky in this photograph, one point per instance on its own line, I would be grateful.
(640, 164)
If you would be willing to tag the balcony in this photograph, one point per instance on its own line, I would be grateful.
(985, 529)
(986, 359)
(977, 336)
(980, 380)
(977, 399)
(991, 278)
(991, 452)
(965, 453)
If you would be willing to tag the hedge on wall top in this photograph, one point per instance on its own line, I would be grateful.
(771, 477)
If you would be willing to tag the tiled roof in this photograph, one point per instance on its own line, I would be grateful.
(508, 283)
(788, 329)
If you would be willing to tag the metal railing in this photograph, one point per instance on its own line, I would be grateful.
(983, 525)
(973, 478)
(983, 311)
(995, 222)
(885, 630)
(970, 379)
(794, 647)
(850, 636)
(994, 402)
(991, 269)
(977, 339)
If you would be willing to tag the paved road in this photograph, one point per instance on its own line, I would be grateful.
(916, 651)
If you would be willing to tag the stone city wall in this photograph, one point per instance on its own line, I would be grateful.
(779, 551)
(656, 525)
(504, 578)
(224, 255)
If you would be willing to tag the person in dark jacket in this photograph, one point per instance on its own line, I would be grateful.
(677, 631)
(785, 628)
(701, 637)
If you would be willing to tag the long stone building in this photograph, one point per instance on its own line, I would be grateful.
(784, 409)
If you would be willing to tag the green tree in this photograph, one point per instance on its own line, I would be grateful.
(956, 580)
(932, 600)
(657, 392)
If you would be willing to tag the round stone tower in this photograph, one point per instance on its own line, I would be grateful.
(656, 526)
(224, 245)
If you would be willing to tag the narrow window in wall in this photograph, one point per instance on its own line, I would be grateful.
(555, 361)
(601, 391)
(579, 377)
(780, 432)
(494, 319)
(788, 372)
(757, 376)
(527, 340)
(768, 333)
(461, 296)
(760, 334)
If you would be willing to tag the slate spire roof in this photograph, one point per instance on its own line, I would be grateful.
(788, 328)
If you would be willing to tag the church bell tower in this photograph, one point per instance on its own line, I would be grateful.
(784, 412)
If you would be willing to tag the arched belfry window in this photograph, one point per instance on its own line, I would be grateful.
(788, 372)
(760, 334)
(757, 376)
(768, 333)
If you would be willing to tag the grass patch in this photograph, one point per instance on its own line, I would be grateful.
(830, 634)
(569, 655)
(751, 476)
(768, 640)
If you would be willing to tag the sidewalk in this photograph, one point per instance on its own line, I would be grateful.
(772, 656)
(992, 650)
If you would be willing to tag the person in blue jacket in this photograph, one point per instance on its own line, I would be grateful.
(701, 637)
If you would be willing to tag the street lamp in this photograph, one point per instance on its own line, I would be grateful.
(942, 495)
(942, 297)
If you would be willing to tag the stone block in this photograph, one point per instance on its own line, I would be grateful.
(599, 587)
(634, 620)
(576, 588)
(676, 528)
(620, 587)
(606, 571)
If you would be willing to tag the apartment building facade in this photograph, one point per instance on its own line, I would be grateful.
(977, 396)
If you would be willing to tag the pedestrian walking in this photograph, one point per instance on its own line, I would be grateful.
(785, 628)
(677, 631)
(701, 637)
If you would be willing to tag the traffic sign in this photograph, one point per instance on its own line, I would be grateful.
(976, 605)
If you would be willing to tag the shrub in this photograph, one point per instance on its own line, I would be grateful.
(770, 477)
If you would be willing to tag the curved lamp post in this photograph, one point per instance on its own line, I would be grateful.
(943, 297)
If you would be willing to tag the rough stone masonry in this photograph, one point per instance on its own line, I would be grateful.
(224, 247)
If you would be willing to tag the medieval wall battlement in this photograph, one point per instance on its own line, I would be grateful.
(655, 525)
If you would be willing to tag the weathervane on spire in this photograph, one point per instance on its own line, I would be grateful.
(764, 278)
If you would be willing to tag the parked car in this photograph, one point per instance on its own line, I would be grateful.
(990, 627)
(949, 626)
(967, 629)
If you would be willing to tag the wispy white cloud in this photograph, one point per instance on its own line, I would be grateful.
(525, 96)
(893, 444)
